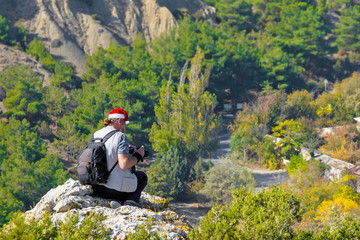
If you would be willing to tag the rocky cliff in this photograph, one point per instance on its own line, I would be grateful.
(71, 28)
(72, 197)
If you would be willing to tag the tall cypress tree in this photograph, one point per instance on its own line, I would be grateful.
(186, 118)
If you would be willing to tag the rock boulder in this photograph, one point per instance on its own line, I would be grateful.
(72, 197)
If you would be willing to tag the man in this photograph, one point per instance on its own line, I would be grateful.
(123, 185)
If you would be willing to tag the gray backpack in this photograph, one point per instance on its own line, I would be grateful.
(92, 166)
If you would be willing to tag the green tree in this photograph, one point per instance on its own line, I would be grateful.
(268, 214)
(23, 93)
(169, 175)
(348, 33)
(27, 170)
(236, 14)
(338, 226)
(186, 118)
(69, 140)
(300, 30)
(298, 105)
(291, 138)
(293, 41)
(4, 28)
(296, 162)
(58, 102)
(254, 123)
(37, 49)
(119, 77)
(279, 67)
(185, 121)
(63, 76)
(235, 65)
(124, 62)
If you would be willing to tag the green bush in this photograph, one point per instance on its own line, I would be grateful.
(4, 28)
(269, 214)
(169, 174)
(296, 162)
(20, 228)
(222, 180)
(335, 226)
(37, 49)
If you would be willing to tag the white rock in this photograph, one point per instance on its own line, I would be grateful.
(72, 197)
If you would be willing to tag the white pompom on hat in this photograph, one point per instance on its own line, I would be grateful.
(119, 113)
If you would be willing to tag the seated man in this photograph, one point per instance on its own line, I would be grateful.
(123, 185)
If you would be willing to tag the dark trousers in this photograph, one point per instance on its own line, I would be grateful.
(104, 192)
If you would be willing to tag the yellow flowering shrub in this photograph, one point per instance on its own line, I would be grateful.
(347, 192)
(342, 203)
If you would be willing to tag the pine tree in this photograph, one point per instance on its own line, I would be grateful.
(348, 32)
(168, 175)
(27, 171)
(4, 28)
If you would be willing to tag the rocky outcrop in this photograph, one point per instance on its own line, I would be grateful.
(72, 197)
(71, 28)
(12, 57)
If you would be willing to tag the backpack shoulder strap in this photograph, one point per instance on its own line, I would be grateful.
(116, 163)
(91, 138)
(109, 135)
(104, 139)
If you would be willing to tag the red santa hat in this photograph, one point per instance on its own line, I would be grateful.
(119, 113)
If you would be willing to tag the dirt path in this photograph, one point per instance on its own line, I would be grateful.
(264, 178)
(267, 178)
(191, 209)
(223, 149)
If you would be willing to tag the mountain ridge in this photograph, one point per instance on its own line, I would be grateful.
(71, 29)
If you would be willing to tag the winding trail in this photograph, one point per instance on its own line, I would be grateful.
(267, 178)
(264, 178)
(222, 150)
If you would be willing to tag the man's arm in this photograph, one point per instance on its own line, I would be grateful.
(126, 162)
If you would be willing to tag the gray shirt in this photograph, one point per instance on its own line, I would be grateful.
(119, 179)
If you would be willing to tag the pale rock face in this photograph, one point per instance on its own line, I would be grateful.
(71, 28)
(72, 197)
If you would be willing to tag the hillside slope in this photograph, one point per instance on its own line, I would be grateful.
(12, 57)
(70, 29)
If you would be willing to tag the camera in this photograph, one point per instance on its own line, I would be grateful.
(132, 149)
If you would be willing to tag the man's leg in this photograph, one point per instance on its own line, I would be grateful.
(104, 192)
(142, 182)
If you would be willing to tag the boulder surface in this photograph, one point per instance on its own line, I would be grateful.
(72, 197)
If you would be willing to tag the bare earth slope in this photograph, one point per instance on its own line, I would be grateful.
(71, 28)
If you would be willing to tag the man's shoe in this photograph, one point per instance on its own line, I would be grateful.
(132, 203)
(115, 204)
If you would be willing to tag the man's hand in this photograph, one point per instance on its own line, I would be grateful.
(141, 150)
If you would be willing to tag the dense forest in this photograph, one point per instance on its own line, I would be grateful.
(293, 63)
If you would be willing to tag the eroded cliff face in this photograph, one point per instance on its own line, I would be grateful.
(71, 28)
(72, 197)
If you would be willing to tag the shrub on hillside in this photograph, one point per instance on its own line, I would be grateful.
(20, 228)
(344, 144)
(265, 215)
(222, 180)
